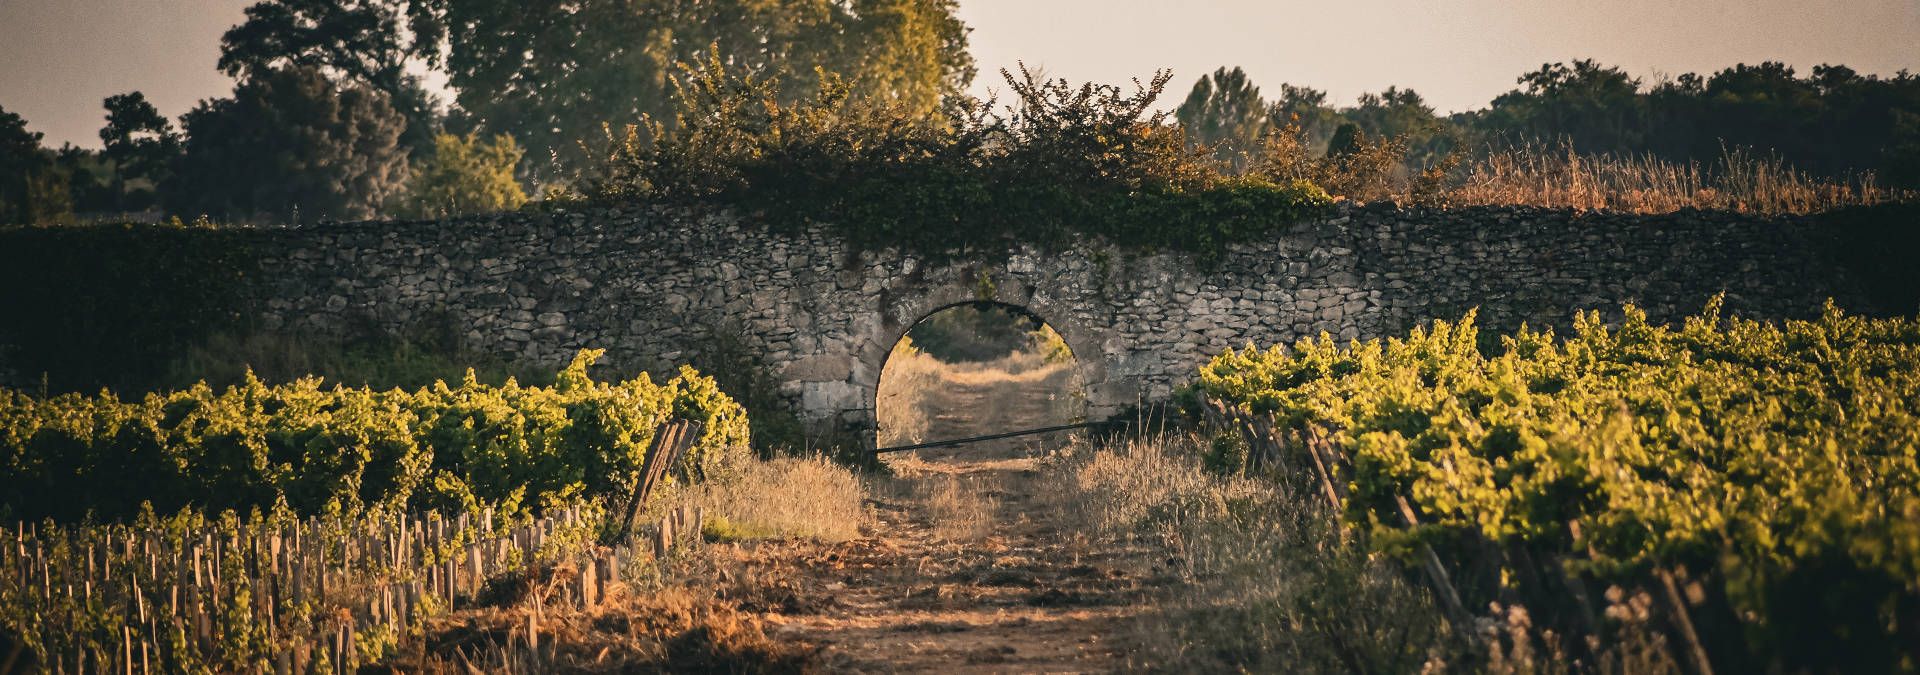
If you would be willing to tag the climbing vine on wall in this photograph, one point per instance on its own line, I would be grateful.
(106, 306)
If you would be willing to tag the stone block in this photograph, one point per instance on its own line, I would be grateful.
(819, 368)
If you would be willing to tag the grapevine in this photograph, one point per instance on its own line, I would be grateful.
(1779, 463)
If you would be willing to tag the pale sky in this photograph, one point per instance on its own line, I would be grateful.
(60, 58)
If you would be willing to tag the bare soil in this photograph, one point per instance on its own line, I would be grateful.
(1028, 596)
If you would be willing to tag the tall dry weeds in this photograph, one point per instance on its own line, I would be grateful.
(1266, 580)
(811, 498)
(1556, 176)
(1741, 180)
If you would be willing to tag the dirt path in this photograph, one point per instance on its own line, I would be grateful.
(964, 567)
(1013, 594)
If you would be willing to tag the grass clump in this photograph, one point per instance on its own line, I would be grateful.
(960, 510)
(788, 497)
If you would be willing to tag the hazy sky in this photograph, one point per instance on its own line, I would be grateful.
(60, 58)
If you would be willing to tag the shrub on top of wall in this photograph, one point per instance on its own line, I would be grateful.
(1066, 163)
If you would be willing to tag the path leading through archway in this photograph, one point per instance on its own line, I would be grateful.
(975, 369)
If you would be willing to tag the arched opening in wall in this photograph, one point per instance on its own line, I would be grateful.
(975, 369)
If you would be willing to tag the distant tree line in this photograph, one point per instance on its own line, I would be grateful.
(329, 117)
(1833, 122)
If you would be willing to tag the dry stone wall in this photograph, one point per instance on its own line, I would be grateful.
(654, 286)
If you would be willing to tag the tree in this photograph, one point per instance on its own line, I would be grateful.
(1306, 108)
(141, 144)
(91, 179)
(1225, 112)
(31, 189)
(356, 41)
(1596, 108)
(291, 145)
(1830, 123)
(552, 73)
(908, 52)
(1404, 117)
(464, 176)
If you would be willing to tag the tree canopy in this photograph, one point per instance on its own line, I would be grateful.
(1830, 123)
(31, 190)
(358, 41)
(141, 144)
(290, 146)
(1224, 111)
(552, 73)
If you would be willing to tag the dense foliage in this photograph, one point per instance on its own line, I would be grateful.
(336, 449)
(109, 306)
(1777, 464)
(1830, 123)
(552, 74)
(141, 145)
(464, 175)
(354, 42)
(1065, 163)
(291, 145)
(974, 332)
(30, 189)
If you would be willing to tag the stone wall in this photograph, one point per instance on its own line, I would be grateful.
(652, 286)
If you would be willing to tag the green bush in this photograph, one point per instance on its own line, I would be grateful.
(344, 450)
(1778, 466)
(465, 175)
(1067, 162)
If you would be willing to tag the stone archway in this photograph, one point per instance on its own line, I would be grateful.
(1014, 389)
(899, 314)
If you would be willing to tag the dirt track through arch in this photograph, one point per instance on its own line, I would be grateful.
(965, 566)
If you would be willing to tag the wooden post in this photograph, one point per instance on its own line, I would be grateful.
(1684, 619)
(588, 573)
(476, 575)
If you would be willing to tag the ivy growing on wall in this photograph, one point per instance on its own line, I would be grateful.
(106, 306)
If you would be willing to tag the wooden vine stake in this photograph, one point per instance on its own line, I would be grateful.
(670, 442)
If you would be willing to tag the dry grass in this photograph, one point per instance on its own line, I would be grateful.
(1543, 176)
(811, 498)
(1266, 581)
(959, 507)
(663, 631)
(693, 611)
(1555, 176)
(1118, 489)
(909, 379)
